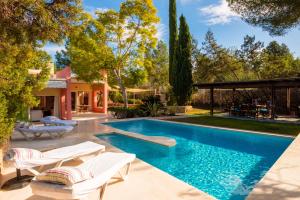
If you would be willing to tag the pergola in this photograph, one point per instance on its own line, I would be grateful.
(272, 84)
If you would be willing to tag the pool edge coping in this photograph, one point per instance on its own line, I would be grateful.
(285, 164)
(273, 170)
(165, 119)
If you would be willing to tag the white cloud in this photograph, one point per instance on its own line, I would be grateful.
(52, 49)
(218, 13)
(92, 10)
(161, 31)
(185, 2)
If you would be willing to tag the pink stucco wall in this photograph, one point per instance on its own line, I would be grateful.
(65, 100)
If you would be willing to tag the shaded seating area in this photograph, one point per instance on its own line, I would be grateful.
(251, 110)
(266, 103)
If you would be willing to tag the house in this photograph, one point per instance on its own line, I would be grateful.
(65, 94)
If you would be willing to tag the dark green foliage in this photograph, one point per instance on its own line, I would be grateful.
(62, 59)
(135, 101)
(250, 55)
(157, 67)
(278, 62)
(183, 82)
(122, 112)
(116, 97)
(152, 106)
(38, 20)
(214, 63)
(172, 38)
(274, 16)
(25, 26)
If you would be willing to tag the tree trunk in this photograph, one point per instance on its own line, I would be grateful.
(122, 88)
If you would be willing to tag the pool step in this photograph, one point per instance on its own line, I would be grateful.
(165, 141)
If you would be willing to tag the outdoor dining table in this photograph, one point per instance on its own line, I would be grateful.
(83, 108)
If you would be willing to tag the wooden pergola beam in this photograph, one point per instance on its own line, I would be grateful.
(278, 83)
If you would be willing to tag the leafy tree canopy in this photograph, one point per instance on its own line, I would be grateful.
(25, 26)
(274, 16)
(62, 59)
(278, 62)
(87, 50)
(213, 63)
(129, 32)
(31, 21)
(157, 66)
(250, 56)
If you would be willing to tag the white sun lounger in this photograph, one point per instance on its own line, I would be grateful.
(103, 167)
(38, 131)
(52, 120)
(59, 156)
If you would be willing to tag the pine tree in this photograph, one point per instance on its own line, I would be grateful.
(172, 39)
(183, 82)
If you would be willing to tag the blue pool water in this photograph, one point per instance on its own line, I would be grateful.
(224, 163)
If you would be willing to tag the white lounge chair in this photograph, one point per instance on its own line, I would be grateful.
(38, 131)
(103, 168)
(52, 120)
(58, 156)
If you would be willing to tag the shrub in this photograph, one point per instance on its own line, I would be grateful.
(152, 106)
(122, 113)
(116, 97)
(135, 101)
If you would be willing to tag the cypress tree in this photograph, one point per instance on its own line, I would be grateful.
(183, 82)
(172, 38)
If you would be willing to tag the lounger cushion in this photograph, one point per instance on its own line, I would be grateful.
(23, 125)
(103, 167)
(65, 175)
(26, 154)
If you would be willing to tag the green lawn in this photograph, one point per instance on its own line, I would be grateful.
(279, 128)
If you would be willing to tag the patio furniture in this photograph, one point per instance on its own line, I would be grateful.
(38, 131)
(52, 120)
(103, 167)
(83, 108)
(58, 156)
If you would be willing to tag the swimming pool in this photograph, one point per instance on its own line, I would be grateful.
(223, 163)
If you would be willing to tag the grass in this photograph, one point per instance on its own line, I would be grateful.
(197, 111)
(278, 128)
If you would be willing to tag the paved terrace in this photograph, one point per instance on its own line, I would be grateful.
(145, 182)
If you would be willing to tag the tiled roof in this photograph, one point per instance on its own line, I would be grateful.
(57, 84)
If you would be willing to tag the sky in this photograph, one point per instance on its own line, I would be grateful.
(202, 15)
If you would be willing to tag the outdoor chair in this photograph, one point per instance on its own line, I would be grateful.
(52, 120)
(33, 132)
(103, 167)
(28, 159)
